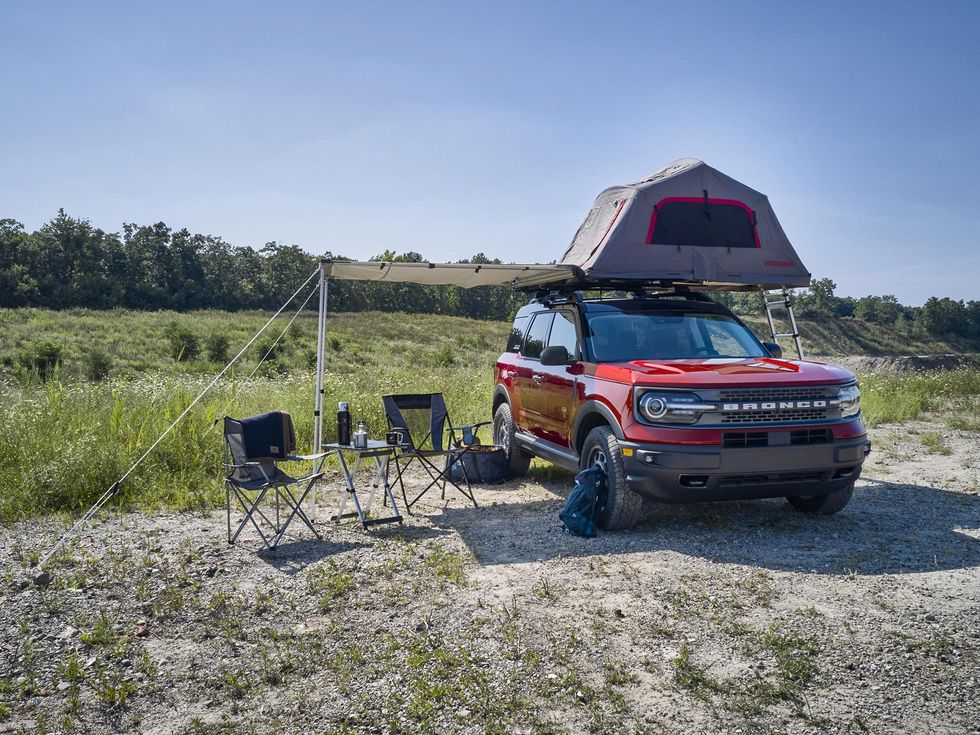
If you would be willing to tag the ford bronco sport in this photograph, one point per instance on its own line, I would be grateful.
(676, 399)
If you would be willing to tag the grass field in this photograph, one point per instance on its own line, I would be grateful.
(68, 438)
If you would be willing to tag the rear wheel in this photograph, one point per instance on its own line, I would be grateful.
(503, 436)
(623, 508)
(832, 502)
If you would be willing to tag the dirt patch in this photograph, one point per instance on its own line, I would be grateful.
(726, 617)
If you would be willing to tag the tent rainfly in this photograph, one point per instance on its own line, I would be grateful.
(687, 223)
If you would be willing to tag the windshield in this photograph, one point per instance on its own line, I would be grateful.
(624, 336)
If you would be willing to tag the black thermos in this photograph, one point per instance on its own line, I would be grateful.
(343, 424)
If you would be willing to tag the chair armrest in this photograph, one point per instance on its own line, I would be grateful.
(471, 426)
(306, 457)
(239, 466)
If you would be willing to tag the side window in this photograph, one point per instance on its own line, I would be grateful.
(516, 334)
(563, 333)
(537, 333)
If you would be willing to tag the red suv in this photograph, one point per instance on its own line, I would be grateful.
(676, 399)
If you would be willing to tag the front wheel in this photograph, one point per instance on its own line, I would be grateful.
(623, 508)
(503, 436)
(825, 505)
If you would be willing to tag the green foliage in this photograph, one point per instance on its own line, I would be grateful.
(67, 440)
(269, 348)
(448, 565)
(216, 346)
(68, 263)
(895, 398)
(183, 341)
(331, 583)
(42, 358)
(98, 364)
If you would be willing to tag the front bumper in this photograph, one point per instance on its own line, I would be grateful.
(687, 474)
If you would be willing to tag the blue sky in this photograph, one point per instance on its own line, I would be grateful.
(453, 128)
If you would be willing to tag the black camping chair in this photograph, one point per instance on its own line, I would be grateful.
(432, 428)
(252, 447)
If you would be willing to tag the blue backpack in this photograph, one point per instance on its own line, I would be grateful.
(588, 497)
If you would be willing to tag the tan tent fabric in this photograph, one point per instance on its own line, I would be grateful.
(465, 275)
(620, 238)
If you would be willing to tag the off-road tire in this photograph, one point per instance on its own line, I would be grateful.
(503, 435)
(623, 508)
(824, 505)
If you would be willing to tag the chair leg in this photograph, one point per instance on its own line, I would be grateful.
(250, 512)
(297, 511)
(401, 483)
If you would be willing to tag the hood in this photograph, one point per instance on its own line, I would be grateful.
(724, 372)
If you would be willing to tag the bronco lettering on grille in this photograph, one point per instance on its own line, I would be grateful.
(774, 405)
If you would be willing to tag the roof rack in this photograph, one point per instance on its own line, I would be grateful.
(639, 292)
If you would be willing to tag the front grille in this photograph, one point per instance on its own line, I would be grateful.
(774, 395)
(782, 477)
(799, 393)
(743, 439)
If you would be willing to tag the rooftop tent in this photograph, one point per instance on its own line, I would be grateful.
(687, 222)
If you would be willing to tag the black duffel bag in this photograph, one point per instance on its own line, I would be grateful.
(484, 465)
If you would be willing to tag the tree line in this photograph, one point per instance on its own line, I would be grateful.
(68, 263)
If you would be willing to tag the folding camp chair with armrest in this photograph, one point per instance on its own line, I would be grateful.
(433, 428)
(252, 447)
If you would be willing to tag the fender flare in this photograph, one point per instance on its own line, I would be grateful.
(591, 408)
(499, 392)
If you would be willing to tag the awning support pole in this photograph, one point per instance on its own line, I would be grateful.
(321, 352)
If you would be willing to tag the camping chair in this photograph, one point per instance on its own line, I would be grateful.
(252, 447)
(403, 415)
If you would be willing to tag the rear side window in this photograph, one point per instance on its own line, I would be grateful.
(516, 334)
(537, 335)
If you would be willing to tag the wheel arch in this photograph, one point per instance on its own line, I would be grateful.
(499, 396)
(590, 415)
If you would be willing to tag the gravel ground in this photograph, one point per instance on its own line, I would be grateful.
(734, 617)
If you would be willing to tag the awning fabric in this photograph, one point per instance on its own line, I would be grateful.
(465, 275)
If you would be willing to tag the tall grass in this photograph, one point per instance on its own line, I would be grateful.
(66, 440)
(895, 398)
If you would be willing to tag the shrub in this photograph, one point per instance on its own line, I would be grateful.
(446, 356)
(43, 358)
(216, 346)
(183, 342)
(98, 364)
(269, 345)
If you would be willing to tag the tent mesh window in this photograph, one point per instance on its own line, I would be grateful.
(703, 222)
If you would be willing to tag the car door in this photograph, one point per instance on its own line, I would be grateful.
(527, 381)
(556, 384)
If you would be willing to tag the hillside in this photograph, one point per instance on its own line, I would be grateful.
(137, 341)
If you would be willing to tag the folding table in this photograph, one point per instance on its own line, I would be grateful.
(375, 450)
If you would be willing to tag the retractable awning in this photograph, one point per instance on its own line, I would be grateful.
(465, 275)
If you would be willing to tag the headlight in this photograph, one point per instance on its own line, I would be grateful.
(671, 408)
(849, 398)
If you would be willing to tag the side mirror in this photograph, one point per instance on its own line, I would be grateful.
(773, 349)
(556, 355)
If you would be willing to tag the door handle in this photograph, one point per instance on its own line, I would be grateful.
(537, 378)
